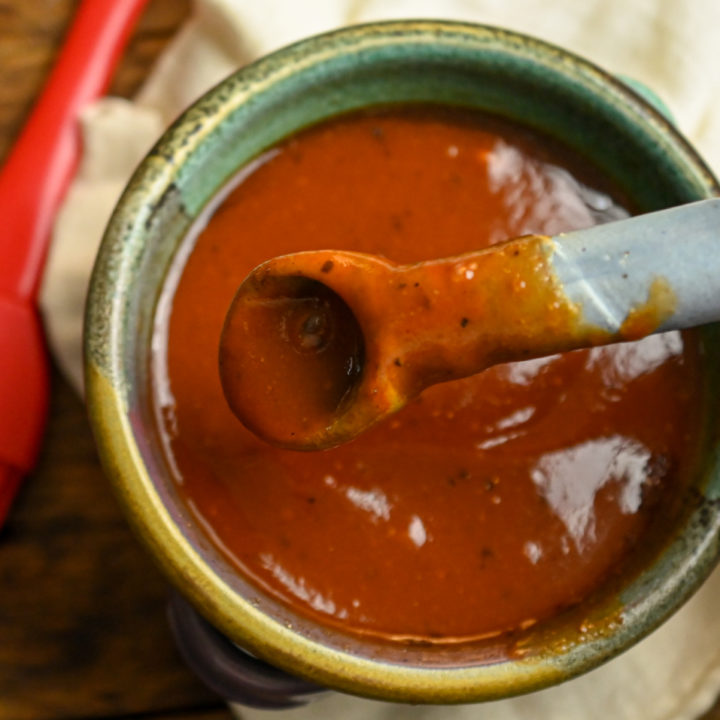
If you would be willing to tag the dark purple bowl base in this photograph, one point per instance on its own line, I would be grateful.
(230, 671)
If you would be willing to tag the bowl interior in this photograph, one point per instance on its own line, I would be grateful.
(184, 178)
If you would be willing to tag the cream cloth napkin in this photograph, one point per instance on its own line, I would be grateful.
(673, 46)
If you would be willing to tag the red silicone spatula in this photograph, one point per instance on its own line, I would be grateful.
(32, 183)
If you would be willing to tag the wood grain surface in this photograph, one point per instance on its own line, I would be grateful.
(82, 608)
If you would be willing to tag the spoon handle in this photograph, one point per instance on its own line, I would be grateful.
(669, 259)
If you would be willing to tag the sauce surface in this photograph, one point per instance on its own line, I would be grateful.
(488, 503)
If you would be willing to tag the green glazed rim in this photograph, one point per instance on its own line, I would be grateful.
(500, 72)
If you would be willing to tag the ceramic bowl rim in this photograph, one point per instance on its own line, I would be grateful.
(107, 382)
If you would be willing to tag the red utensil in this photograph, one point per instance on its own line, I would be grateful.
(32, 184)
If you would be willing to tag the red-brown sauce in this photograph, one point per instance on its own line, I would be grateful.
(489, 503)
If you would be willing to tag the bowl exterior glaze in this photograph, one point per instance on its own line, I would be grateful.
(496, 71)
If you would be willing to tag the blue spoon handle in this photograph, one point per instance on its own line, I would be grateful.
(610, 270)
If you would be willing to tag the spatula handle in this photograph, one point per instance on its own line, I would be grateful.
(611, 270)
(32, 183)
(36, 173)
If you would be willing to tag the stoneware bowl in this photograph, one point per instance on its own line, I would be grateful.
(511, 76)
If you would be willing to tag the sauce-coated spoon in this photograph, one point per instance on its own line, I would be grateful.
(319, 346)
